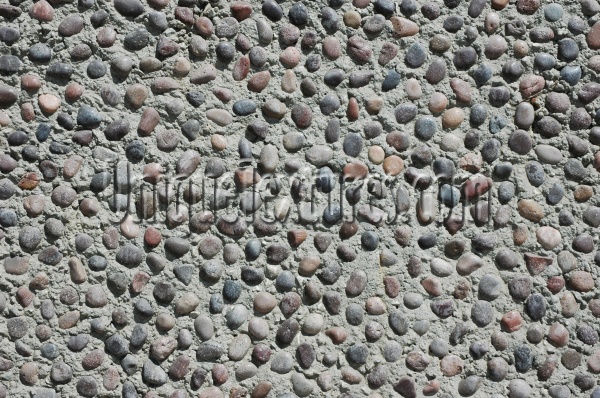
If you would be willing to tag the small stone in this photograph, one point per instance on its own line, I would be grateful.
(512, 321)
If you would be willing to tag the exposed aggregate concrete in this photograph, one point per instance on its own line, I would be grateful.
(482, 109)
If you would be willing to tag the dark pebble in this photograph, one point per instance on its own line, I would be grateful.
(39, 52)
(415, 55)
(129, 8)
(523, 358)
(137, 39)
(60, 71)
(482, 74)
(391, 81)
(96, 69)
(298, 14)
(272, 10)
(464, 58)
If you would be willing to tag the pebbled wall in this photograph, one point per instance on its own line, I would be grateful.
(414, 185)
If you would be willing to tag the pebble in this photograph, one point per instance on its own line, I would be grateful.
(518, 388)
(282, 363)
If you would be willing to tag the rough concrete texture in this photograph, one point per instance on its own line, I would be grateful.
(485, 109)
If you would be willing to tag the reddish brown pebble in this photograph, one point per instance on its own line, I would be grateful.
(185, 15)
(476, 186)
(73, 91)
(531, 85)
(451, 365)
(359, 49)
(77, 270)
(461, 89)
(537, 264)
(351, 375)
(89, 207)
(593, 37)
(547, 368)
(373, 105)
(431, 388)
(432, 285)
(219, 374)
(376, 154)
(29, 181)
(30, 82)
(152, 237)
(158, 4)
(337, 334)
(148, 121)
(512, 321)
(404, 27)
(39, 282)
(348, 229)
(387, 53)
(261, 353)
(453, 118)
(48, 103)
(27, 112)
(259, 81)
(261, 390)
(393, 165)
(593, 362)
(437, 102)
(111, 378)
(352, 112)
(332, 48)
(581, 281)
(308, 265)
(139, 281)
(42, 11)
(240, 10)
(361, 3)
(558, 335)
(530, 210)
(224, 94)
(555, 284)
(290, 57)
(355, 170)
(594, 307)
(583, 193)
(499, 4)
(264, 302)
(520, 234)
(375, 306)
(218, 142)
(302, 115)
(528, 7)
(24, 296)
(241, 68)
(68, 320)
(4, 119)
(29, 373)
(182, 67)
(245, 177)
(204, 26)
(106, 36)
(152, 173)
(295, 236)
(392, 286)
(568, 304)
(136, 95)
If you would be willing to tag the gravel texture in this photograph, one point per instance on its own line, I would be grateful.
(146, 147)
